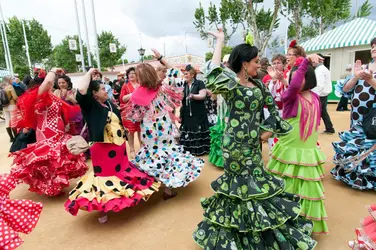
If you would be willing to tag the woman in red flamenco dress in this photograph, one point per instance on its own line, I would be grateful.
(47, 165)
(366, 235)
(126, 92)
(16, 216)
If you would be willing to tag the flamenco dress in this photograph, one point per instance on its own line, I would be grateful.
(296, 157)
(366, 234)
(216, 135)
(47, 165)
(354, 157)
(250, 208)
(16, 216)
(115, 183)
(159, 155)
(128, 124)
(194, 129)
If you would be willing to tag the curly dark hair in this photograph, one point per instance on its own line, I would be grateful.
(66, 79)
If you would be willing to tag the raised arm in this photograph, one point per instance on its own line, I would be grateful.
(217, 55)
(161, 59)
(296, 82)
(84, 82)
(49, 80)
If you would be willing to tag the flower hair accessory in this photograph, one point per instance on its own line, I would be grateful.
(249, 39)
(298, 61)
(292, 44)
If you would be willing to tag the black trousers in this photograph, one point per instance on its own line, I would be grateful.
(325, 115)
(342, 105)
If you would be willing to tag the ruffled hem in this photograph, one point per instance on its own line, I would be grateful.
(308, 190)
(215, 155)
(354, 179)
(114, 205)
(171, 165)
(290, 236)
(298, 156)
(295, 171)
(247, 187)
(47, 170)
(195, 142)
(110, 193)
(253, 215)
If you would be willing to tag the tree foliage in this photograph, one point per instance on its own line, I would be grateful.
(65, 58)
(228, 16)
(108, 59)
(365, 9)
(231, 15)
(39, 41)
(225, 50)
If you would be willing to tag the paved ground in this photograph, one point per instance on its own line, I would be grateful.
(158, 224)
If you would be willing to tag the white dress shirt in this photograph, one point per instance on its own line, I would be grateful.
(324, 81)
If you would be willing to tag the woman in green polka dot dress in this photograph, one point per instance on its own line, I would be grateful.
(249, 209)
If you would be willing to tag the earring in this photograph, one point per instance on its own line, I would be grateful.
(246, 74)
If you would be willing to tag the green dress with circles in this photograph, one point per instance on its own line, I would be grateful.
(249, 209)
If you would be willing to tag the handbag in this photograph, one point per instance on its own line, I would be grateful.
(77, 144)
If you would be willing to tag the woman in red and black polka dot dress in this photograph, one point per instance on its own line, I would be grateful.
(115, 183)
(47, 165)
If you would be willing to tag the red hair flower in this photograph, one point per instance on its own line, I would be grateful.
(292, 44)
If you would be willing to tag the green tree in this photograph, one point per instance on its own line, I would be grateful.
(148, 57)
(229, 16)
(325, 13)
(225, 50)
(262, 22)
(365, 10)
(39, 42)
(108, 59)
(274, 45)
(65, 58)
(294, 10)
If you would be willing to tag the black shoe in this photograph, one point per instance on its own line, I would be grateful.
(329, 132)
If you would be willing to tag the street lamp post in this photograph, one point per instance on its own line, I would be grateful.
(141, 51)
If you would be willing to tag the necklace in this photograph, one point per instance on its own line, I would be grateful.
(187, 99)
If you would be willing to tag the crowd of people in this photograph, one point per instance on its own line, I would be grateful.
(243, 102)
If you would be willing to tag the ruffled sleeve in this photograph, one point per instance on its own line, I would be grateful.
(168, 98)
(274, 123)
(220, 80)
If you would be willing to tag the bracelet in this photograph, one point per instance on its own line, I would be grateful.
(160, 58)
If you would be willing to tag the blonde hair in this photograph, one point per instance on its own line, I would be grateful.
(147, 76)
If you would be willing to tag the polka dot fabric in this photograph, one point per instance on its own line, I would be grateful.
(114, 185)
(16, 216)
(47, 165)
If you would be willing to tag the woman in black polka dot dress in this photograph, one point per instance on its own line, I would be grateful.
(361, 89)
(115, 183)
(153, 104)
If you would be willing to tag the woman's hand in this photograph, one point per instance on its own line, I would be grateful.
(219, 35)
(265, 136)
(314, 58)
(92, 71)
(272, 72)
(209, 93)
(156, 55)
(366, 75)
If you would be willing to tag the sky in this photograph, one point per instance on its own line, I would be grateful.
(166, 25)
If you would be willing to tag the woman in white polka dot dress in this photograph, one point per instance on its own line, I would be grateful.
(47, 165)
